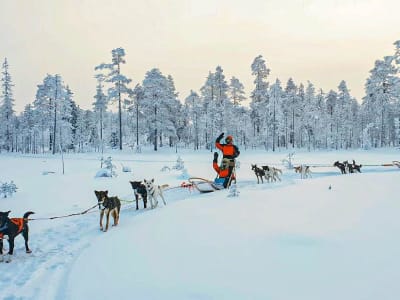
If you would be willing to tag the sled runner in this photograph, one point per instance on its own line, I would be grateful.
(205, 185)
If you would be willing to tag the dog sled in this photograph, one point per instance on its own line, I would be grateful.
(205, 185)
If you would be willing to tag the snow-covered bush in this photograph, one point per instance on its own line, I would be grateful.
(165, 169)
(7, 189)
(233, 191)
(108, 170)
(288, 162)
(179, 164)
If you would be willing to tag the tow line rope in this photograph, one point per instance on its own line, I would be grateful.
(86, 210)
(65, 216)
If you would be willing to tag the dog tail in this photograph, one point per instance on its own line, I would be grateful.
(27, 214)
(164, 186)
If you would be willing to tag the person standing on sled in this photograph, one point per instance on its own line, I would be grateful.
(223, 171)
(229, 150)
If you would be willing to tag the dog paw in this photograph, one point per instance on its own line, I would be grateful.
(7, 258)
(29, 251)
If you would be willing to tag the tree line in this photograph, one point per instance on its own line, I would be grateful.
(127, 115)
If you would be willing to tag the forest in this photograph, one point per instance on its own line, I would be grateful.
(128, 115)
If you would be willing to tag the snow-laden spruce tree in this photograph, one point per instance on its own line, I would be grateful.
(275, 112)
(161, 107)
(292, 103)
(118, 81)
(7, 113)
(207, 92)
(235, 116)
(100, 107)
(192, 115)
(138, 96)
(53, 111)
(381, 94)
(259, 99)
(221, 100)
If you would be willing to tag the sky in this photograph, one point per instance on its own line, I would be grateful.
(321, 41)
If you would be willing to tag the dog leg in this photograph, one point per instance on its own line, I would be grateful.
(25, 235)
(11, 246)
(7, 258)
(162, 197)
(145, 201)
(116, 217)
(137, 201)
(101, 219)
(108, 220)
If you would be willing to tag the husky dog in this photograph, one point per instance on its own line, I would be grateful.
(153, 191)
(342, 167)
(356, 168)
(271, 173)
(274, 173)
(9, 229)
(260, 173)
(108, 205)
(303, 170)
(139, 190)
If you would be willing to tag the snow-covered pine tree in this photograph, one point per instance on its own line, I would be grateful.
(275, 109)
(155, 95)
(235, 118)
(7, 113)
(292, 104)
(119, 81)
(207, 92)
(138, 97)
(259, 96)
(100, 107)
(192, 111)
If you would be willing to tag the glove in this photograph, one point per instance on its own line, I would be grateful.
(215, 156)
(220, 137)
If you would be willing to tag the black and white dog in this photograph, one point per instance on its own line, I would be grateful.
(139, 189)
(154, 191)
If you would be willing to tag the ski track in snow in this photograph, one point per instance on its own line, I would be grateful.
(51, 260)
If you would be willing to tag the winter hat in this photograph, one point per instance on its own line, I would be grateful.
(229, 139)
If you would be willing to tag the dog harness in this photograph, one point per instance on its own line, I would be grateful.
(17, 221)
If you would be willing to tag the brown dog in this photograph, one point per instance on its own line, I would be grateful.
(108, 205)
(303, 170)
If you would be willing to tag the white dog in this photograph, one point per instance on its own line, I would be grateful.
(274, 173)
(153, 191)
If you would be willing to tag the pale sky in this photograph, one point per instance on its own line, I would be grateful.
(323, 41)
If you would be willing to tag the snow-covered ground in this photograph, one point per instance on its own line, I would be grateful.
(294, 239)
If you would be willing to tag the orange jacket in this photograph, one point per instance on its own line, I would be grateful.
(228, 150)
(221, 172)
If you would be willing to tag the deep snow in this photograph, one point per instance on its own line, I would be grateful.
(295, 239)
